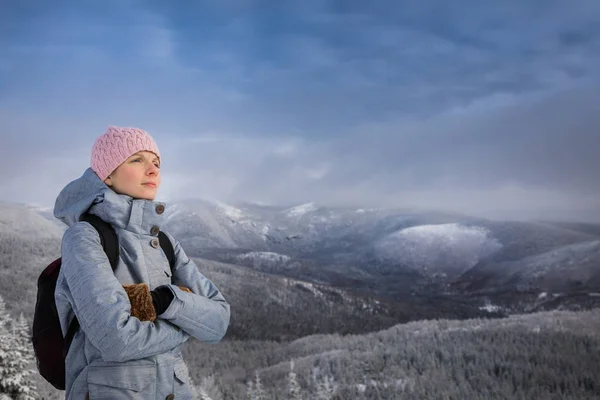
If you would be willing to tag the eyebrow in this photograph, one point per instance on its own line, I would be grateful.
(141, 154)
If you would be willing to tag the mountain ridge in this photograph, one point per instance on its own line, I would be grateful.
(383, 252)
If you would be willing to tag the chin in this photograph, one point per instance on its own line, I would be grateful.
(144, 195)
(149, 196)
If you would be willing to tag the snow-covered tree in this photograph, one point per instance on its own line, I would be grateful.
(209, 389)
(258, 393)
(294, 391)
(16, 356)
(326, 388)
(201, 393)
(20, 328)
(5, 318)
(249, 390)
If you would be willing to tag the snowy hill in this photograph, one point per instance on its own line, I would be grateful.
(446, 250)
(569, 268)
(28, 242)
(28, 222)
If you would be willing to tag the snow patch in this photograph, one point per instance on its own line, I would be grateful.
(230, 211)
(542, 295)
(41, 209)
(310, 287)
(301, 209)
(489, 307)
(264, 255)
(265, 232)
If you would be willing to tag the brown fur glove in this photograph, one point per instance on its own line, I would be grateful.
(141, 302)
(185, 289)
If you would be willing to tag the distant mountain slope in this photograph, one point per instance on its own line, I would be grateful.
(524, 239)
(397, 254)
(587, 228)
(278, 308)
(27, 222)
(569, 268)
(28, 242)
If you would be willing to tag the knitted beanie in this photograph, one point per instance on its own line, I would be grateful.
(116, 145)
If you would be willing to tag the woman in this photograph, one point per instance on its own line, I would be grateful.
(133, 320)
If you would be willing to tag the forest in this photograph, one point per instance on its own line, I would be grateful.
(548, 355)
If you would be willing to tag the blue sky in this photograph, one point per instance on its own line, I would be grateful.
(486, 108)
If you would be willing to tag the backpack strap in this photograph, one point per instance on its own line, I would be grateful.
(167, 247)
(108, 237)
(110, 244)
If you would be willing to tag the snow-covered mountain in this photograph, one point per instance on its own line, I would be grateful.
(386, 252)
(267, 306)
(393, 252)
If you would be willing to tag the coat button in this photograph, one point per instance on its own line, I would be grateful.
(170, 397)
(155, 243)
(155, 230)
(160, 208)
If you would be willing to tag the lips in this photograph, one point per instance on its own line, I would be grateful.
(151, 184)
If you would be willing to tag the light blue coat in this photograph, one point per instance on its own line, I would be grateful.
(114, 355)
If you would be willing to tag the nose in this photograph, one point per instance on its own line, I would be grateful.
(152, 169)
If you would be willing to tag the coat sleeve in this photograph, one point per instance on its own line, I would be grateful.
(204, 314)
(101, 304)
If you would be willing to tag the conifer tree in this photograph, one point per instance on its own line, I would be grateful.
(16, 356)
(249, 390)
(326, 388)
(259, 393)
(294, 391)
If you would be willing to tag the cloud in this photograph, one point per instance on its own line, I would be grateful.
(530, 157)
(469, 106)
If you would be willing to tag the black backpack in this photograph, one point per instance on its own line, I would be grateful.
(49, 345)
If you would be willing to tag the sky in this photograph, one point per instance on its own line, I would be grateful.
(484, 108)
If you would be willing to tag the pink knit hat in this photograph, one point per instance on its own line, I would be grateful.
(116, 145)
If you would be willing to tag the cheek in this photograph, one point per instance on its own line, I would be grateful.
(129, 175)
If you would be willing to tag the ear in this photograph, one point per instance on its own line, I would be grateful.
(108, 181)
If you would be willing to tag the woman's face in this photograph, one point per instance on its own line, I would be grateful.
(138, 176)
